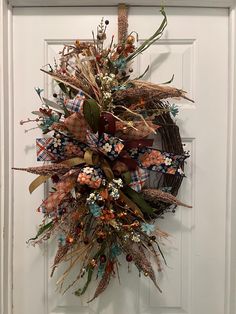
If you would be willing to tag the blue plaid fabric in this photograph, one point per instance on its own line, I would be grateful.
(76, 103)
(107, 144)
(92, 140)
(41, 149)
(138, 179)
(41, 209)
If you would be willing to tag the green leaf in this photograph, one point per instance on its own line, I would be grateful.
(66, 111)
(170, 81)
(72, 94)
(137, 199)
(161, 252)
(56, 107)
(90, 270)
(148, 42)
(91, 112)
(53, 105)
(41, 231)
(127, 177)
(63, 87)
(39, 91)
(80, 291)
(38, 113)
(142, 75)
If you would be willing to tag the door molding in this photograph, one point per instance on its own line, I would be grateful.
(6, 184)
(6, 139)
(173, 3)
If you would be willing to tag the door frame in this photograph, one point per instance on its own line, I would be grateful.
(6, 138)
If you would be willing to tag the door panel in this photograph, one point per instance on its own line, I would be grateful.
(194, 49)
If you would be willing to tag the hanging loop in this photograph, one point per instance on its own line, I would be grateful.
(122, 22)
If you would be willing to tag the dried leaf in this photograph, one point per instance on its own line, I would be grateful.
(47, 169)
(102, 285)
(140, 260)
(61, 252)
(155, 195)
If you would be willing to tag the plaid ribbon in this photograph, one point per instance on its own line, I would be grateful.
(41, 149)
(141, 130)
(162, 162)
(48, 151)
(91, 140)
(62, 189)
(41, 209)
(138, 179)
(110, 146)
(77, 125)
(76, 103)
(156, 160)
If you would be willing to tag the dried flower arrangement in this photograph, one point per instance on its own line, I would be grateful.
(101, 153)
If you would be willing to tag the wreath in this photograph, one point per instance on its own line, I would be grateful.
(98, 151)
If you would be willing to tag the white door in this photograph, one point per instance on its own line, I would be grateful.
(194, 48)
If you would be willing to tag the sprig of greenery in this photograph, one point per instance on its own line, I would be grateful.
(147, 43)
